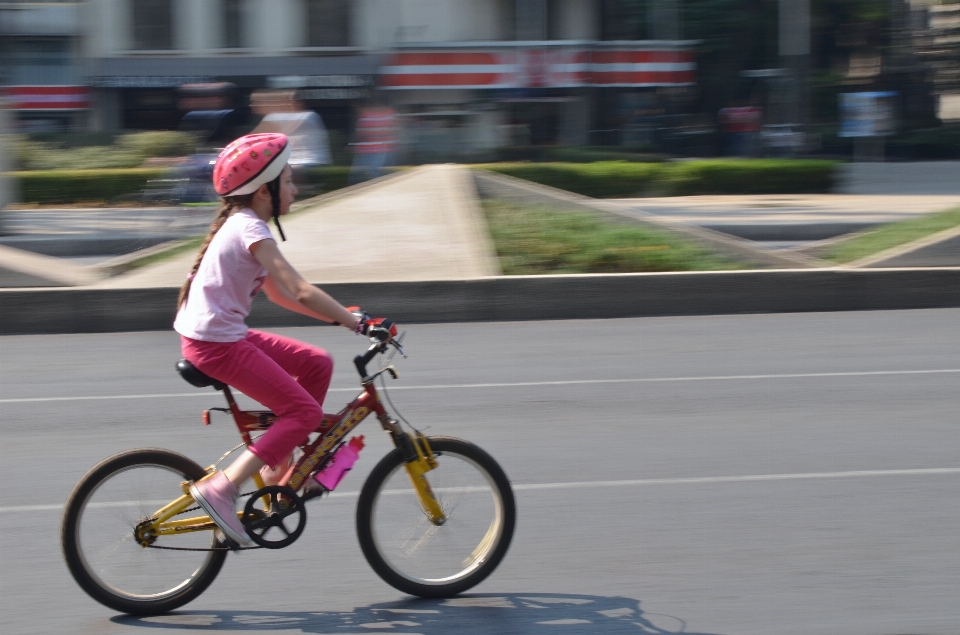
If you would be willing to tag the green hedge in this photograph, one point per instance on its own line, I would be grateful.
(121, 151)
(322, 179)
(619, 179)
(575, 154)
(81, 186)
(611, 179)
(751, 176)
(602, 179)
(52, 187)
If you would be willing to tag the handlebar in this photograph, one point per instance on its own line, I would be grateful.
(361, 361)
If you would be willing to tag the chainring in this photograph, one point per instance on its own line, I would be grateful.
(260, 523)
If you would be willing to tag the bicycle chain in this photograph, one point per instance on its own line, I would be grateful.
(190, 509)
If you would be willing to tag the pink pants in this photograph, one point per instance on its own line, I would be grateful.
(285, 375)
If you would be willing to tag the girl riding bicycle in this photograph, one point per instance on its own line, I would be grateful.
(238, 258)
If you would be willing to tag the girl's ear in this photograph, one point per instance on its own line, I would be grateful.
(263, 193)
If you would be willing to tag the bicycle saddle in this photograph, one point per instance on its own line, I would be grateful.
(193, 376)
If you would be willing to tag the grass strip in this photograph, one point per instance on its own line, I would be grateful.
(884, 237)
(537, 239)
(623, 179)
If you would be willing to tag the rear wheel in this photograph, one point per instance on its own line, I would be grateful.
(104, 556)
(418, 557)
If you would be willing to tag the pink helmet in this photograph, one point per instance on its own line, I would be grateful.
(249, 162)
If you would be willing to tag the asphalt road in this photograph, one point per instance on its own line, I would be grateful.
(733, 474)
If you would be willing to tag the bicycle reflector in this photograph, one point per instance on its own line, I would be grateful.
(206, 417)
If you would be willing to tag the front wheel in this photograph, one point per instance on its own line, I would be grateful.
(102, 552)
(415, 556)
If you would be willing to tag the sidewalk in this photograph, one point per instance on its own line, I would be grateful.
(424, 224)
(790, 217)
(867, 194)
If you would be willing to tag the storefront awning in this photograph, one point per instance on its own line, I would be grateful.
(581, 64)
(55, 98)
(161, 72)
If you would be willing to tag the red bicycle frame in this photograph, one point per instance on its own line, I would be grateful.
(417, 454)
(332, 429)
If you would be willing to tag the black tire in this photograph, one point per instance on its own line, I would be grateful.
(92, 517)
(388, 495)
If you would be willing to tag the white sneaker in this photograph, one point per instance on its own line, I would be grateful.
(218, 497)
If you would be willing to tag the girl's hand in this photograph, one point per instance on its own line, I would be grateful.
(381, 329)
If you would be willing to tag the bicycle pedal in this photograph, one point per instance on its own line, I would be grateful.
(226, 542)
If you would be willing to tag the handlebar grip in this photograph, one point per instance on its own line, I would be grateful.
(361, 361)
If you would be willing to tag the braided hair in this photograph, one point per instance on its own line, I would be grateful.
(229, 205)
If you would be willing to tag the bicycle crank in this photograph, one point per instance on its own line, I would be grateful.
(274, 517)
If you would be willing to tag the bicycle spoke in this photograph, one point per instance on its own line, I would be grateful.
(438, 554)
(103, 542)
(424, 538)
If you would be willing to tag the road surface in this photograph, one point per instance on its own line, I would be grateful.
(730, 474)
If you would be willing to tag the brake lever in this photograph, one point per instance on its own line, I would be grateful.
(399, 348)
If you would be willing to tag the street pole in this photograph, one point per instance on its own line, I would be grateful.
(794, 40)
(6, 187)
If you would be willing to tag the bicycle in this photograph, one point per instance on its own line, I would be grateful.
(135, 548)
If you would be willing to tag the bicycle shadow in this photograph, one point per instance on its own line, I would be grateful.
(481, 614)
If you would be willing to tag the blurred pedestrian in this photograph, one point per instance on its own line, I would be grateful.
(740, 126)
(285, 114)
(376, 141)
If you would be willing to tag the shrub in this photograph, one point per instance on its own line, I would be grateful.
(319, 180)
(165, 143)
(576, 154)
(610, 179)
(621, 179)
(602, 179)
(75, 186)
(81, 186)
(751, 176)
(127, 151)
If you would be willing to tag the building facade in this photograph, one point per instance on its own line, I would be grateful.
(42, 65)
(464, 75)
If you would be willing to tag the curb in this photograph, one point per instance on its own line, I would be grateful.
(590, 296)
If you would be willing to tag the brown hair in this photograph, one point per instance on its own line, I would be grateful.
(229, 205)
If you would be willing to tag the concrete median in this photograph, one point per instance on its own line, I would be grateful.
(33, 311)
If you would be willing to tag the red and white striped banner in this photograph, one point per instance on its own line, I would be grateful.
(538, 68)
(643, 68)
(46, 97)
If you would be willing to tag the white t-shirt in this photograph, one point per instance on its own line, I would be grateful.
(228, 278)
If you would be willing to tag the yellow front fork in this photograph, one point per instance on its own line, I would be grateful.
(417, 470)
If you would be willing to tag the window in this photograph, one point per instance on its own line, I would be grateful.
(232, 24)
(328, 23)
(37, 62)
(535, 20)
(640, 19)
(152, 24)
(623, 19)
(532, 19)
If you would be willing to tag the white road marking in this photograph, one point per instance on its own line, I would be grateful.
(528, 487)
(527, 384)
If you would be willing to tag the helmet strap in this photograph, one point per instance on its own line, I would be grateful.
(274, 188)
